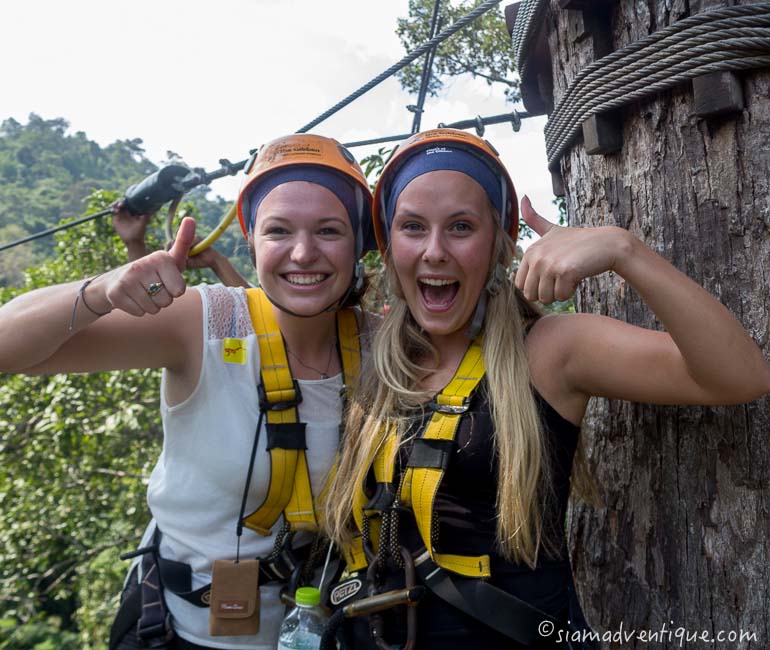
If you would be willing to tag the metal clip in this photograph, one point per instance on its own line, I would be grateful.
(480, 128)
(450, 409)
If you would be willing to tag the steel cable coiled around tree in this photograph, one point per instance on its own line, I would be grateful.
(530, 14)
(745, 54)
(724, 39)
(606, 77)
(721, 40)
(607, 68)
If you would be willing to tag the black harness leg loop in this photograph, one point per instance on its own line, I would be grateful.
(153, 629)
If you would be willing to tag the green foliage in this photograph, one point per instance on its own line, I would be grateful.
(561, 204)
(46, 176)
(483, 49)
(98, 595)
(77, 451)
(43, 634)
(373, 164)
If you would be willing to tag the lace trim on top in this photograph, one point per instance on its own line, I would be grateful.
(227, 311)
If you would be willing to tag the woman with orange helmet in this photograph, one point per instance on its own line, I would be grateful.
(231, 428)
(459, 450)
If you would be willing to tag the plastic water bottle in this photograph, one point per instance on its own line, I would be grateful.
(303, 627)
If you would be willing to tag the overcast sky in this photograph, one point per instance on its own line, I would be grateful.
(211, 80)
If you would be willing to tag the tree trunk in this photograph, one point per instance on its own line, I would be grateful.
(681, 537)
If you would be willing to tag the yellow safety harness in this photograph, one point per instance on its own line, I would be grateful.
(289, 490)
(455, 579)
(425, 470)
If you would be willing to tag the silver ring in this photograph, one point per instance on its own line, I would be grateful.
(154, 289)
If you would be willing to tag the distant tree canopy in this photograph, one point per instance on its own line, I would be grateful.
(46, 175)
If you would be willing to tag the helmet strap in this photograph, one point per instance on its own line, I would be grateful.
(478, 316)
(360, 220)
(506, 215)
(496, 279)
(356, 284)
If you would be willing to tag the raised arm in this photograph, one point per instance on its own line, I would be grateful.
(704, 357)
(135, 316)
(131, 228)
(211, 258)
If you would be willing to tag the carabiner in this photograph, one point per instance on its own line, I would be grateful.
(409, 596)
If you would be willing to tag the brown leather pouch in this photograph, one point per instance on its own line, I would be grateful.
(234, 598)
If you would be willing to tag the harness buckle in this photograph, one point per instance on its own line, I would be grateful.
(266, 405)
(450, 409)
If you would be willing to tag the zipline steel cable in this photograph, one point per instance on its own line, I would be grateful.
(426, 71)
(51, 231)
(232, 168)
(425, 47)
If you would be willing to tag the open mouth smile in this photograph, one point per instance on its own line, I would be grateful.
(438, 294)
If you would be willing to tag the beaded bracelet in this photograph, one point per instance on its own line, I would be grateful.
(81, 297)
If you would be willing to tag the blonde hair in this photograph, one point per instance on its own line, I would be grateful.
(385, 396)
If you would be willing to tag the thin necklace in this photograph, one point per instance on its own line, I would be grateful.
(325, 373)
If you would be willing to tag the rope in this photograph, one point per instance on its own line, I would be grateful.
(514, 117)
(726, 39)
(414, 54)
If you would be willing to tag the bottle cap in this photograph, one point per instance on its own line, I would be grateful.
(308, 596)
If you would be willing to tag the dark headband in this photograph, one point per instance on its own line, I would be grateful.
(357, 207)
(443, 157)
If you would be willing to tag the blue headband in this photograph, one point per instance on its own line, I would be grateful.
(344, 190)
(443, 157)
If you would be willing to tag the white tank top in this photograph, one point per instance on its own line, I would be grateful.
(196, 487)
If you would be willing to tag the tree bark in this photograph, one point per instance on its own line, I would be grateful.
(681, 537)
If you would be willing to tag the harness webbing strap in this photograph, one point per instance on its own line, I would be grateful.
(289, 489)
(427, 465)
(385, 460)
(382, 459)
(153, 629)
(350, 346)
(483, 601)
(421, 480)
(353, 553)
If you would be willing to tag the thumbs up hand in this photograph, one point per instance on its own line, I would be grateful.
(147, 285)
(553, 266)
(185, 237)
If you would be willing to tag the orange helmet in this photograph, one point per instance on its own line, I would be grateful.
(484, 154)
(312, 152)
